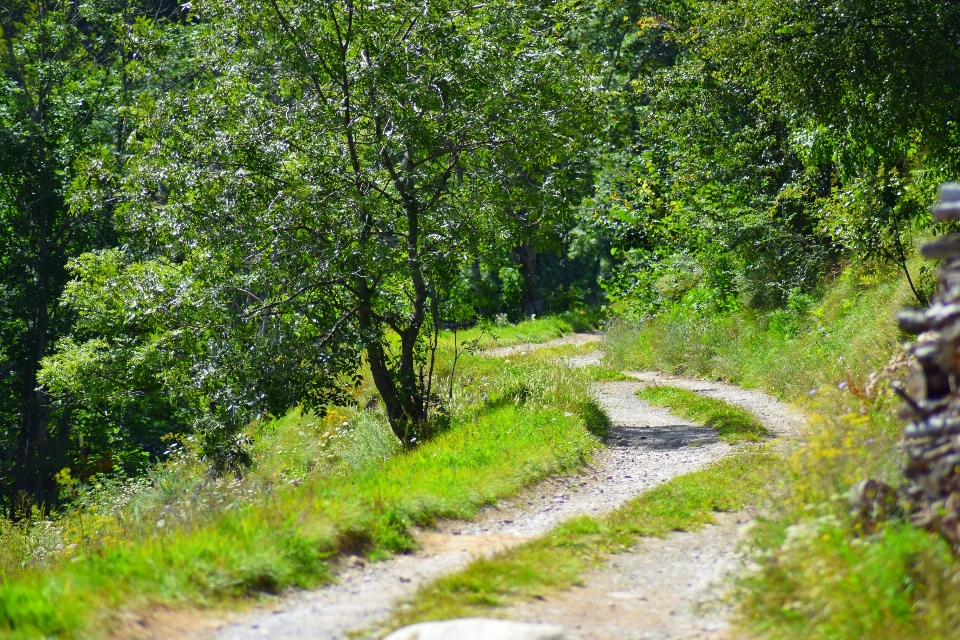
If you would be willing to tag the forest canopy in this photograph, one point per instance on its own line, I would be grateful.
(217, 211)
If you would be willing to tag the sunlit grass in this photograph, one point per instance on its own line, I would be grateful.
(844, 337)
(488, 334)
(285, 539)
(319, 486)
(733, 424)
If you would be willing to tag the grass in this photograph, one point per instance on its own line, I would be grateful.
(603, 374)
(320, 486)
(557, 561)
(489, 334)
(819, 574)
(843, 337)
(733, 424)
(286, 540)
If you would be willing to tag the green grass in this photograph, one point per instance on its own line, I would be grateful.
(844, 336)
(319, 487)
(557, 560)
(817, 574)
(733, 424)
(489, 334)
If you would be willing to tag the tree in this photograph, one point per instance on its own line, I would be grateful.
(870, 89)
(313, 194)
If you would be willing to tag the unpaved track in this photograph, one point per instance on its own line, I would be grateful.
(665, 588)
(672, 588)
(648, 446)
(575, 339)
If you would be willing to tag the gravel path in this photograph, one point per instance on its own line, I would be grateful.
(672, 588)
(781, 419)
(666, 588)
(648, 446)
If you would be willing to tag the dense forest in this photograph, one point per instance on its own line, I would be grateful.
(214, 212)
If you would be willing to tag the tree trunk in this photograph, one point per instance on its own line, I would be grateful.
(403, 395)
(526, 257)
(31, 477)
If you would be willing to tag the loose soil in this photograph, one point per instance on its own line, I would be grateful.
(666, 588)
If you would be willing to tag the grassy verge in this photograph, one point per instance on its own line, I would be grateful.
(286, 540)
(557, 560)
(733, 424)
(318, 487)
(821, 572)
(842, 337)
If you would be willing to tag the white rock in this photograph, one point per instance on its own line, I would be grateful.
(478, 629)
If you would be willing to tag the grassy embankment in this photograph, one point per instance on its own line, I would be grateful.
(557, 560)
(820, 575)
(319, 487)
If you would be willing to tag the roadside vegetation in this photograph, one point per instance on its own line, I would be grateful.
(826, 567)
(318, 486)
(223, 291)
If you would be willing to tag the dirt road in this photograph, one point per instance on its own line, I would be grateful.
(670, 593)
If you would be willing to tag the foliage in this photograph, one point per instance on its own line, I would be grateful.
(268, 252)
(69, 70)
(777, 139)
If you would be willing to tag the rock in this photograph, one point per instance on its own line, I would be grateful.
(478, 629)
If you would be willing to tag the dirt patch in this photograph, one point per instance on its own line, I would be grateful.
(162, 623)
(433, 542)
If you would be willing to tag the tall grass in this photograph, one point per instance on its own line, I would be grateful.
(820, 570)
(319, 486)
(845, 336)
